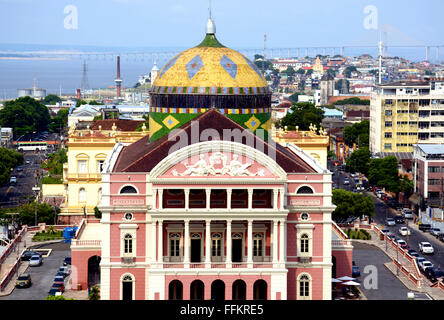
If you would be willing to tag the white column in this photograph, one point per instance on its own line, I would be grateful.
(208, 192)
(186, 259)
(229, 192)
(281, 242)
(155, 199)
(250, 199)
(282, 198)
(208, 243)
(228, 253)
(153, 241)
(187, 199)
(275, 242)
(160, 192)
(160, 243)
(275, 198)
(250, 244)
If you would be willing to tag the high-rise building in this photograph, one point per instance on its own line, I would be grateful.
(405, 113)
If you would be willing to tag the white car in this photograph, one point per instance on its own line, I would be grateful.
(346, 182)
(407, 213)
(35, 260)
(425, 264)
(390, 222)
(13, 180)
(404, 231)
(426, 247)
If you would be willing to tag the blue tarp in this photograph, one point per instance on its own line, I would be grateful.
(69, 233)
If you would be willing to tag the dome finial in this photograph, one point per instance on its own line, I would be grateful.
(211, 26)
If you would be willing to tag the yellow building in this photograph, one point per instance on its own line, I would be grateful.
(87, 150)
(406, 113)
(318, 67)
(312, 142)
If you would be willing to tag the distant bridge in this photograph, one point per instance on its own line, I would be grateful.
(295, 52)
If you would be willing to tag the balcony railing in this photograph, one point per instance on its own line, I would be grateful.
(71, 176)
(128, 260)
(86, 243)
(340, 243)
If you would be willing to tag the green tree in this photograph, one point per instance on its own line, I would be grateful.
(9, 159)
(45, 213)
(55, 162)
(352, 204)
(94, 293)
(24, 115)
(51, 99)
(359, 161)
(97, 213)
(353, 101)
(60, 121)
(294, 97)
(302, 115)
(357, 133)
(348, 71)
(92, 103)
(384, 173)
(343, 86)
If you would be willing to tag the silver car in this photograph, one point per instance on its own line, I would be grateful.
(35, 261)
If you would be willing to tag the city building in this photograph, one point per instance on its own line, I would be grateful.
(428, 173)
(215, 209)
(85, 112)
(327, 88)
(87, 150)
(406, 113)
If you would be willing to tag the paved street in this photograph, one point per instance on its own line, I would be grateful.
(389, 287)
(42, 276)
(14, 194)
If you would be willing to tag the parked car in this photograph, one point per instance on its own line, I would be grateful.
(425, 264)
(424, 227)
(23, 281)
(58, 278)
(413, 253)
(13, 180)
(346, 182)
(402, 243)
(391, 236)
(407, 213)
(441, 237)
(435, 232)
(58, 285)
(426, 248)
(419, 260)
(53, 291)
(36, 260)
(64, 270)
(434, 274)
(390, 222)
(404, 231)
(399, 219)
(385, 231)
(19, 168)
(67, 261)
(355, 271)
(28, 254)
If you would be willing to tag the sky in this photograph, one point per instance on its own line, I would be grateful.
(240, 23)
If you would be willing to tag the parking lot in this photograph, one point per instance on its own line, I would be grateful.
(43, 275)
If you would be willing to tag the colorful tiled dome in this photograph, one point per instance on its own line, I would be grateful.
(209, 76)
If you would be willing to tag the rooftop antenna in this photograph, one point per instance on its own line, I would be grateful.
(209, 9)
(380, 53)
(85, 85)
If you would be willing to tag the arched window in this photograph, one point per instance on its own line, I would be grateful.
(82, 195)
(100, 195)
(257, 245)
(304, 243)
(128, 189)
(216, 249)
(128, 244)
(304, 287)
(175, 245)
(305, 190)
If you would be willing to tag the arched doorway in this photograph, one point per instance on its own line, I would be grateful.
(260, 290)
(197, 290)
(218, 290)
(175, 290)
(127, 288)
(93, 271)
(239, 290)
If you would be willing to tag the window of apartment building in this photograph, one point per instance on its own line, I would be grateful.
(388, 135)
(304, 243)
(128, 244)
(424, 125)
(433, 195)
(388, 101)
(434, 169)
(401, 144)
(403, 111)
(423, 103)
(216, 248)
(437, 135)
(423, 136)
(413, 134)
(437, 112)
(401, 133)
(82, 195)
(257, 245)
(175, 245)
(82, 166)
(402, 122)
(388, 124)
(388, 146)
(388, 112)
(424, 114)
(304, 287)
(434, 182)
(408, 91)
(100, 165)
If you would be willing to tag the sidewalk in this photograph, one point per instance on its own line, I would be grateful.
(435, 293)
(10, 261)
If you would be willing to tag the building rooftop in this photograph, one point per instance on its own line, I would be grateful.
(432, 148)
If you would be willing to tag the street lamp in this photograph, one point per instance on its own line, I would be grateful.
(37, 190)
